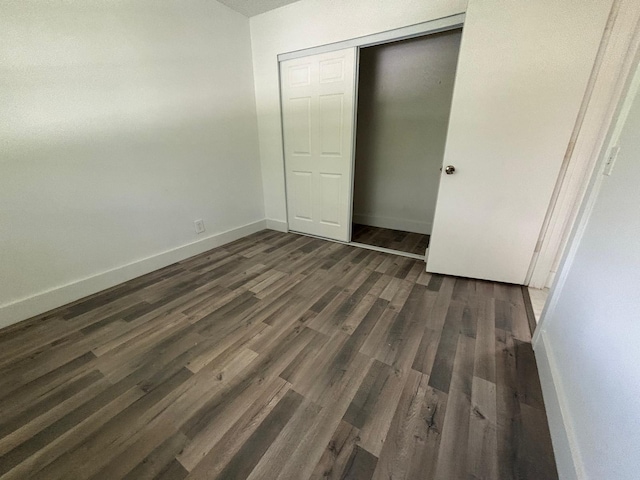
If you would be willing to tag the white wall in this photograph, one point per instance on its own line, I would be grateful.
(404, 100)
(122, 123)
(591, 331)
(310, 23)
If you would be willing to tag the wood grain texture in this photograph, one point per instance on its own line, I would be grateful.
(277, 356)
(408, 242)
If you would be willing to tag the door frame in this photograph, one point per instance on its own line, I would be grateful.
(444, 24)
(613, 67)
(418, 30)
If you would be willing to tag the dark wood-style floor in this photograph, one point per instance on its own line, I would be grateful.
(408, 242)
(277, 356)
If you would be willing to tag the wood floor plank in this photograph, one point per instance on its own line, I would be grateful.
(535, 454)
(528, 388)
(173, 471)
(33, 457)
(151, 457)
(483, 445)
(426, 354)
(309, 449)
(244, 461)
(508, 407)
(216, 416)
(454, 445)
(232, 441)
(485, 361)
(24, 394)
(360, 465)
(11, 424)
(375, 345)
(503, 315)
(412, 442)
(438, 315)
(372, 408)
(428, 435)
(306, 360)
(520, 323)
(281, 448)
(278, 356)
(408, 328)
(89, 457)
(394, 239)
(435, 282)
(391, 289)
(424, 278)
(38, 338)
(58, 357)
(35, 426)
(442, 369)
(188, 397)
(336, 456)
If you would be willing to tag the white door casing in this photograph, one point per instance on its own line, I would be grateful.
(318, 109)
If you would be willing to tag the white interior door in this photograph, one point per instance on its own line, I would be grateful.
(318, 108)
(515, 103)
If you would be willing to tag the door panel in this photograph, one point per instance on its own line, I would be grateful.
(511, 121)
(330, 204)
(300, 75)
(302, 195)
(318, 108)
(331, 124)
(331, 70)
(301, 125)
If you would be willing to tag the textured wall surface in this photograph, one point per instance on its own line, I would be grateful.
(122, 123)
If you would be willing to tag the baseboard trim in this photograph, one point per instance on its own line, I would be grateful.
(565, 447)
(56, 297)
(403, 224)
(277, 225)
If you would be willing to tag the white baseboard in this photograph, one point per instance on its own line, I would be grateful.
(565, 447)
(277, 225)
(403, 224)
(56, 297)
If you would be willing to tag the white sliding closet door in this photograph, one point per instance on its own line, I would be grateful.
(318, 108)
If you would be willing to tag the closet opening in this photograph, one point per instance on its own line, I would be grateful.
(404, 101)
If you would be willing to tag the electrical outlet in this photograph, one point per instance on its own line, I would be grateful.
(199, 226)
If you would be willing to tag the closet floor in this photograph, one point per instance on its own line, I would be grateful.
(408, 242)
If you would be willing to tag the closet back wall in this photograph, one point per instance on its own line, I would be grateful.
(404, 100)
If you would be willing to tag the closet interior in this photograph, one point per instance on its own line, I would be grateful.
(404, 100)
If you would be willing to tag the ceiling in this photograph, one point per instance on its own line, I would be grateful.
(249, 8)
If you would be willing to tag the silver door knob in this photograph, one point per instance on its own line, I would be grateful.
(449, 169)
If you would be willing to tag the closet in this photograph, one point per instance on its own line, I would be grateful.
(365, 132)
(404, 101)
(445, 129)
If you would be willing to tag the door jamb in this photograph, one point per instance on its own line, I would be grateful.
(356, 89)
(605, 90)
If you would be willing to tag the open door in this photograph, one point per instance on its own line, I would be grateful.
(515, 103)
(318, 99)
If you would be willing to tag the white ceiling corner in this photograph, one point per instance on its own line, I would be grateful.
(249, 8)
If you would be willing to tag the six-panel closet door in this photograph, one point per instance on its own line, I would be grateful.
(318, 109)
